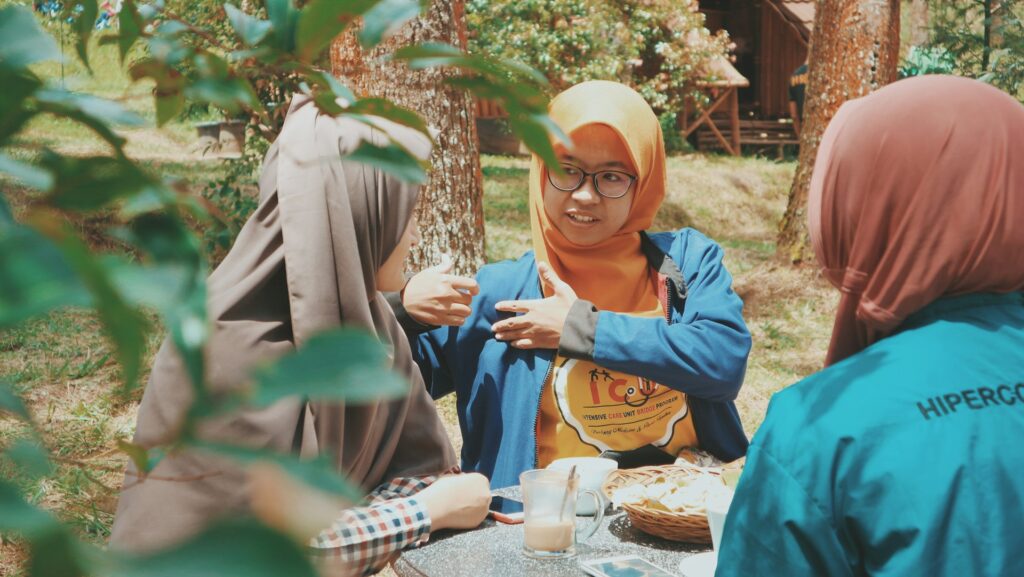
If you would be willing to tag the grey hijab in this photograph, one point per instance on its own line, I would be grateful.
(305, 262)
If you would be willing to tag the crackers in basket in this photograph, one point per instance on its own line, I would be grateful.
(677, 493)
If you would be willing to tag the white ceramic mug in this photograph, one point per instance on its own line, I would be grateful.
(592, 472)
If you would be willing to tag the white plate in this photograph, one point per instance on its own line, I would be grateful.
(701, 565)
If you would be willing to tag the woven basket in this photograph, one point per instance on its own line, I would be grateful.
(690, 526)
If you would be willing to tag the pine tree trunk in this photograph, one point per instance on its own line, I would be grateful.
(854, 51)
(451, 202)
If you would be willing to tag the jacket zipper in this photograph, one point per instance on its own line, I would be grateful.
(667, 283)
(536, 416)
(551, 369)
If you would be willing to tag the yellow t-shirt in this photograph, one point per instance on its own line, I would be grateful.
(586, 409)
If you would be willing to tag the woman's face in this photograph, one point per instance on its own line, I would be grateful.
(585, 217)
(391, 276)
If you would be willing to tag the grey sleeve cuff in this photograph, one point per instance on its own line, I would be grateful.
(579, 331)
(411, 326)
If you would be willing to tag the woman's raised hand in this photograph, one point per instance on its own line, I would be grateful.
(540, 325)
(435, 297)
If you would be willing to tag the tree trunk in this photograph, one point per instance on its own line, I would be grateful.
(854, 51)
(451, 202)
(918, 23)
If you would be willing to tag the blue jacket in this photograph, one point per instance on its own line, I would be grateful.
(701, 352)
(903, 459)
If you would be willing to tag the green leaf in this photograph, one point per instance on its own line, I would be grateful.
(11, 402)
(96, 113)
(231, 94)
(34, 277)
(24, 41)
(137, 453)
(124, 326)
(6, 216)
(92, 182)
(235, 548)
(392, 159)
(169, 106)
(342, 364)
(102, 110)
(387, 109)
(535, 132)
(85, 22)
(18, 86)
(430, 54)
(130, 24)
(28, 174)
(285, 18)
(332, 84)
(31, 457)
(168, 242)
(318, 473)
(58, 553)
(250, 30)
(322, 21)
(19, 517)
(386, 17)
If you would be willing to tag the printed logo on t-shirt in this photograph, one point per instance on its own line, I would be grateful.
(610, 410)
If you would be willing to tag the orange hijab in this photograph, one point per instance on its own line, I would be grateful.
(917, 193)
(613, 274)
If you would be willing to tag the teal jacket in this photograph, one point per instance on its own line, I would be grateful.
(904, 459)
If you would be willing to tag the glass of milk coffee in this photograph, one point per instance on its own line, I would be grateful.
(549, 523)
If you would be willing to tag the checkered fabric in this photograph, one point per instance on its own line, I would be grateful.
(366, 539)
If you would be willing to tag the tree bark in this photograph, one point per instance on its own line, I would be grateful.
(854, 51)
(918, 22)
(450, 211)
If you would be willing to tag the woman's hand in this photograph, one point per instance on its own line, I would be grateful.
(457, 501)
(540, 325)
(434, 297)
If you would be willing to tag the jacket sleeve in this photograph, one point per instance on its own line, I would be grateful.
(704, 355)
(775, 528)
(430, 350)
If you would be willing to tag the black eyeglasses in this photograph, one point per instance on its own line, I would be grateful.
(607, 183)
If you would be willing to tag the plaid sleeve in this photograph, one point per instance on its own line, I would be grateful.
(366, 539)
(402, 487)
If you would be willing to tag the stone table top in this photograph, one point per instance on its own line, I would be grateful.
(496, 549)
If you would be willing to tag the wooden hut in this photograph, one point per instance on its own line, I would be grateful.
(772, 38)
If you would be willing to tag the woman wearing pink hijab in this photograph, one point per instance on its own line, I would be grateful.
(901, 457)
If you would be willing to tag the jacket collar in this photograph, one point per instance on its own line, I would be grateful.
(664, 264)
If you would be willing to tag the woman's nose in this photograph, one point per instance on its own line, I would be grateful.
(586, 193)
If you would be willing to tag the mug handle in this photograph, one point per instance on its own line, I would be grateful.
(587, 533)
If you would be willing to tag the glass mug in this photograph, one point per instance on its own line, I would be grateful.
(549, 522)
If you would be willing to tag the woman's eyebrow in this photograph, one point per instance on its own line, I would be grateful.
(604, 165)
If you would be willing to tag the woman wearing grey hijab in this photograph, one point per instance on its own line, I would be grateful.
(327, 236)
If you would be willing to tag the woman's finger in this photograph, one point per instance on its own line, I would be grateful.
(464, 283)
(524, 344)
(510, 335)
(454, 321)
(457, 296)
(512, 324)
(460, 310)
(516, 306)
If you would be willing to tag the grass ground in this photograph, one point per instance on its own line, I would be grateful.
(64, 367)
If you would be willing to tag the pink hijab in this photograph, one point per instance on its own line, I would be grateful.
(917, 193)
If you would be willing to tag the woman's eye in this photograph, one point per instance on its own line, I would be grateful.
(611, 177)
(570, 170)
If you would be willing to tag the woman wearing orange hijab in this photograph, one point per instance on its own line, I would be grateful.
(901, 457)
(604, 338)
